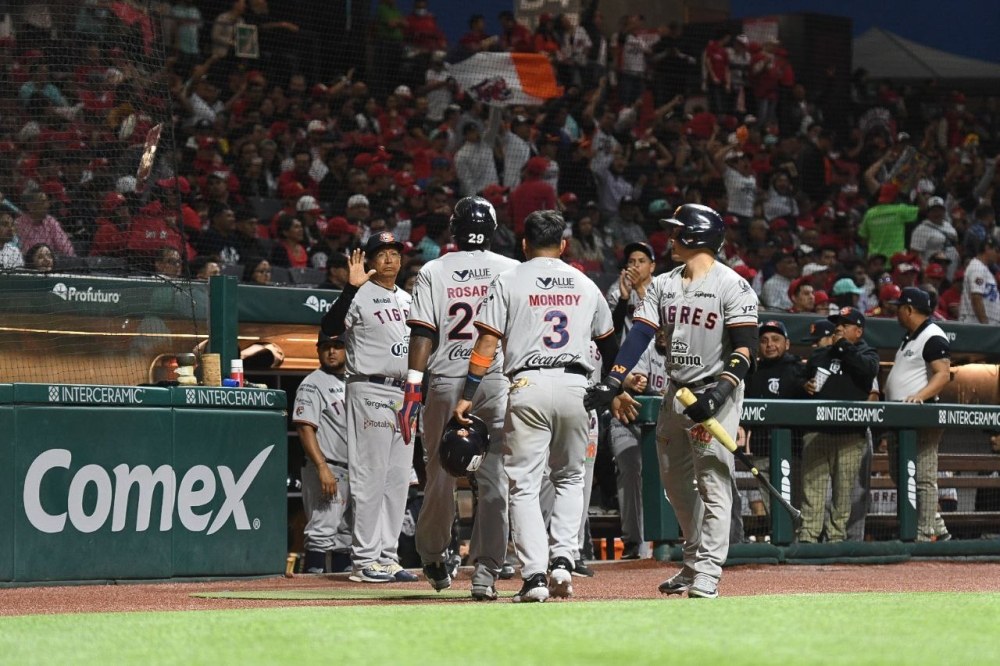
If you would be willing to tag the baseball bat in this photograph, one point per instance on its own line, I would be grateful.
(712, 425)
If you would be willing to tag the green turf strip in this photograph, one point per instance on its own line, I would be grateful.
(800, 629)
(341, 595)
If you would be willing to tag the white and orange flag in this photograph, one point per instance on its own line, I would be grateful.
(506, 79)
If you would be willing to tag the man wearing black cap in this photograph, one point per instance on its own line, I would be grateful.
(372, 312)
(779, 374)
(922, 368)
(320, 419)
(843, 370)
(630, 289)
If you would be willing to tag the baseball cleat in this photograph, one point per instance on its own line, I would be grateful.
(453, 562)
(534, 589)
(401, 575)
(679, 583)
(581, 569)
(631, 551)
(561, 578)
(484, 593)
(437, 575)
(704, 587)
(506, 571)
(373, 573)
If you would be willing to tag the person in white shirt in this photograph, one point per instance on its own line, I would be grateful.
(935, 234)
(922, 368)
(781, 198)
(516, 150)
(775, 293)
(980, 302)
(633, 74)
(740, 181)
(474, 162)
(437, 88)
(10, 255)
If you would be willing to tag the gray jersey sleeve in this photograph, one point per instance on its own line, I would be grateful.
(740, 304)
(424, 307)
(309, 404)
(492, 315)
(649, 309)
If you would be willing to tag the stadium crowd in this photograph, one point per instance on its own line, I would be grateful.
(266, 169)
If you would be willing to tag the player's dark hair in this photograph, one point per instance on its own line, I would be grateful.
(544, 229)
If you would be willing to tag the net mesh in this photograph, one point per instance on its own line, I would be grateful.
(293, 131)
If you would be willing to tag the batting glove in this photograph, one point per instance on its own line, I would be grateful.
(407, 414)
(710, 402)
(600, 396)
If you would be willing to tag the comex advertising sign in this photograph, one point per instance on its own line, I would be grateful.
(197, 488)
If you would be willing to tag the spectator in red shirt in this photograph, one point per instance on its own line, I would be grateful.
(299, 173)
(764, 76)
(290, 250)
(422, 31)
(515, 36)
(532, 194)
(716, 67)
(112, 229)
(476, 39)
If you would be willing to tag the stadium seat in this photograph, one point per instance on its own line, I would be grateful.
(105, 264)
(279, 275)
(263, 208)
(307, 276)
(233, 270)
(67, 264)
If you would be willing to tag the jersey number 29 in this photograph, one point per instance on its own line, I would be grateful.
(477, 239)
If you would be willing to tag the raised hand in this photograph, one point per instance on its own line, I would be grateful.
(356, 268)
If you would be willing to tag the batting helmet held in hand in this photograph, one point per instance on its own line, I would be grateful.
(473, 223)
(701, 227)
(463, 447)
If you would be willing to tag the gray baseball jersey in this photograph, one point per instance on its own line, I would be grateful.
(319, 402)
(446, 295)
(653, 364)
(547, 313)
(695, 317)
(376, 323)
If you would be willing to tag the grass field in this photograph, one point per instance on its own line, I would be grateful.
(788, 629)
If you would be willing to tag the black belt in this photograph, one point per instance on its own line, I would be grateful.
(336, 463)
(574, 369)
(696, 384)
(385, 381)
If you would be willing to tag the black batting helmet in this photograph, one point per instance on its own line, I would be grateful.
(701, 227)
(473, 223)
(463, 447)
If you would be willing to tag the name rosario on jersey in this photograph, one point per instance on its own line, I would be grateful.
(685, 314)
(476, 291)
(389, 315)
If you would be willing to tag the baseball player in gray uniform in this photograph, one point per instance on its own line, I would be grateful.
(320, 417)
(625, 295)
(709, 316)
(446, 295)
(546, 312)
(373, 312)
(648, 377)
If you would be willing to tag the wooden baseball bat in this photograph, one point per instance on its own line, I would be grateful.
(712, 425)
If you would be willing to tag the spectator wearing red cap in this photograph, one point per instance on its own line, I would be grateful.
(885, 308)
(570, 205)
(531, 195)
(884, 225)
(906, 274)
(299, 173)
(802, 295)
(935, 275)
(112, 227)
(313, 218)
(339, 239)
(823, 305)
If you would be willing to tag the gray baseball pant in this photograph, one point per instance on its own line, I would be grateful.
(628, 460)
(547, 494)
(328, 521)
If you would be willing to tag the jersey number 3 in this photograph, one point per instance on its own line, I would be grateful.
(464, 311)
(559, 321)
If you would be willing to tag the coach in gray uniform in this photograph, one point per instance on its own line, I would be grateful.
(320, 417)
(373, 311)
(921, 370)
(446, 296)
(546, 312)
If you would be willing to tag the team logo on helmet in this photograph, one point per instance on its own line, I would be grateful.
(845, 311)
(386, 237)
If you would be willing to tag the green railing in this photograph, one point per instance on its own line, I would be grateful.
(779, 416)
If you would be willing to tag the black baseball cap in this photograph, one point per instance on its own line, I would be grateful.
(916, 297)
(382, 239)
(820, 329)
(774, 326)
(325, 339)
(848, 316)
(640, 246)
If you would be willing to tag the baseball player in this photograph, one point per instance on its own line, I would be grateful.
(709, 315)
(319, 416)
(446, 295)
(373, 312)
(649, 377)
(546, 312)
(626, 294)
